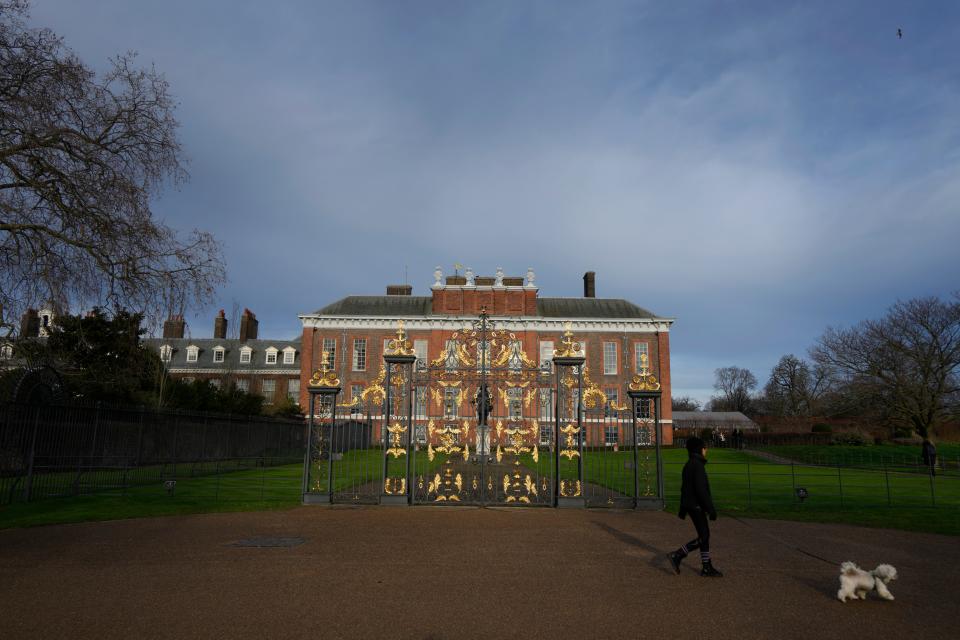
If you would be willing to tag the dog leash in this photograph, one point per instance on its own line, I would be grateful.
(784, 543)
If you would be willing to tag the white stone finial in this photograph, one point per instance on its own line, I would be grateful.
(499, 280)
(531, 277)
(470, 276)
(437, 276)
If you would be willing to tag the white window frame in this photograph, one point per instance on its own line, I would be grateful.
(217, 383)
(420, 402)
(219, 354)
(638, 348)
(166, 353)
(243, 384)
(268, 395)
(609, 358)
(515, 362)
(193, 353)
(515, 403)
(330, 346)
(546, 433)
(246, 355)
(420, 348)
(450, 346)
(546, 353)
(270, 355)
(293, 389)
(289, 355)
(611, 434)
(359, 354)
(613, 397)
(545, 400)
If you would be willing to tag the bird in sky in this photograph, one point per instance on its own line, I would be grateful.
(899, 33)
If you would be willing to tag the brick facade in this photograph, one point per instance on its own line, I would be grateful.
(513, 305)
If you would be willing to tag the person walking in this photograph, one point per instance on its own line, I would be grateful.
(695, 500)
(928, 451)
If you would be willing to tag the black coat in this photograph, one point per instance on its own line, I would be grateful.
(695, 489)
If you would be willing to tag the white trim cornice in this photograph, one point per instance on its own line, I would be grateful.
(452, 323)
(239, 372)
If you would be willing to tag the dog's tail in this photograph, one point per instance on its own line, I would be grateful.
(849, 569)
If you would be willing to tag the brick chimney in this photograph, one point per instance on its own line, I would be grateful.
(30, 324)
(173, 327)
(220, 326)
(248, 326)
(399, 289)
(590, 284)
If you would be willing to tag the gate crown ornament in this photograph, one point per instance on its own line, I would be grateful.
(400, 346)
(324, 377)
(570, 348)
(644, 380)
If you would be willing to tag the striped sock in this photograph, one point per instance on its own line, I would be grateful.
(705, 557)
(684, 550)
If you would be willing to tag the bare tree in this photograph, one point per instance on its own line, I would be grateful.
(794, 387)
(685, 403)
(907, 364)
(734, 385)
(81, 156)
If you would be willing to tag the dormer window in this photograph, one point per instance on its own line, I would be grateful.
(289, 354)
(272, 355)
(46, 319)
(245, 354)
(218, 354)
(192, 353)
(166, 353)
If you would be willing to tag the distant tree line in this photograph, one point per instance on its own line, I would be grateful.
(902, 370)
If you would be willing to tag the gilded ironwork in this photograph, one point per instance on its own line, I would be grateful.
(400, 346)
(396, 432)
(570, 450)
(569, 347)
(570, 489)
(449, 486)
(644, 380)
(375, 390)
(591, 392)
(324, 377)
(395, 486)
(478, 357)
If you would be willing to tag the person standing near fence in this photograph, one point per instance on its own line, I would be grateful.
(695, 500)
(928, 451)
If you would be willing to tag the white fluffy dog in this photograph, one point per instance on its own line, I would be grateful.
(855, 582)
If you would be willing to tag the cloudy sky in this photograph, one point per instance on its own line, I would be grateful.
(757, 171)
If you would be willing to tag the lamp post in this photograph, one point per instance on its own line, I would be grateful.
(323, 383)
(399, 355)
(567, 356)
(646, 387)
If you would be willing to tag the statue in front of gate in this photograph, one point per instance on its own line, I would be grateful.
(483, 402)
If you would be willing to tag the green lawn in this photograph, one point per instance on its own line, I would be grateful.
(250, 490)
(742, 484)
(869, 456)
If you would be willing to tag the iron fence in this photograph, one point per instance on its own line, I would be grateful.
(749, 483)
(70, 450)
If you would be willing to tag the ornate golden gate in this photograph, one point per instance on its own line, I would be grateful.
(484, 423)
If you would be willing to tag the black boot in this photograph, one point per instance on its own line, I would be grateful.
(676, 557)
(709, 572)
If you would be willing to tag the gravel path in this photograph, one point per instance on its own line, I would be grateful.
(454, 572)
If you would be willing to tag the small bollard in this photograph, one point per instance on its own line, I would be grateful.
(170, 486)
(802, 493)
